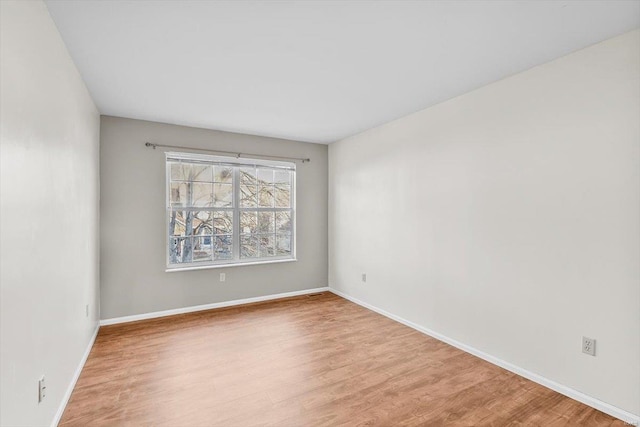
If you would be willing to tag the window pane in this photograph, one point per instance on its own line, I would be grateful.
(190, 223)
(191, 172)
(180, 250)
(283, 195)
(283, 222)
(222, 174)
(223, 247)
(222, 222)
(283, 244)
(178, 196)
(200, 196)
(265, 196)
(248, 196)
(282, 177)
(265, 176)
(190, 194)
(176, 223)
(184, 223)
(202, 222)
(202, 249)
(248, 176)
(248, 246)
(248, 222)
(266, 222)
(223, 195)
(267, 245)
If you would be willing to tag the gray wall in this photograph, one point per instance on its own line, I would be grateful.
(133, 277)
(48, 215)
(508, 219)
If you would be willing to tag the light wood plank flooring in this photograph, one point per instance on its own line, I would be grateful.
(305, 361)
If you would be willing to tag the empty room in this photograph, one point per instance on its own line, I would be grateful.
(319, 213)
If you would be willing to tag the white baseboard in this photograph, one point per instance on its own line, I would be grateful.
(155, 314)
(562, 389)
(74, 380)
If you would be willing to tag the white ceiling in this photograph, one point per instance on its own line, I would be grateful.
(314, 71)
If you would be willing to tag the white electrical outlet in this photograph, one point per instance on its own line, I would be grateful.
(223, 277)
(42, 389)
(589, 346)
(364, 277)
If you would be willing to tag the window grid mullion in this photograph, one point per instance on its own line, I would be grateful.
(236, 214)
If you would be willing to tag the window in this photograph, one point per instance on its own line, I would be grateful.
(228, 211)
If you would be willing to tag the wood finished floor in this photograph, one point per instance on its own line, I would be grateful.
(304, 361)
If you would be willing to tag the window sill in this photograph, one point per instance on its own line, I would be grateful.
(236, 264)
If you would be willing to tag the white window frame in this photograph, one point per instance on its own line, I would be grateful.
(236, 163)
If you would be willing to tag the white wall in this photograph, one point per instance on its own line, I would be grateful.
(49, 215)
(133, 222)
(508, 219)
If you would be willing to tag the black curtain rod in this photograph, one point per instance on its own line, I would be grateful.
(235, 153)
